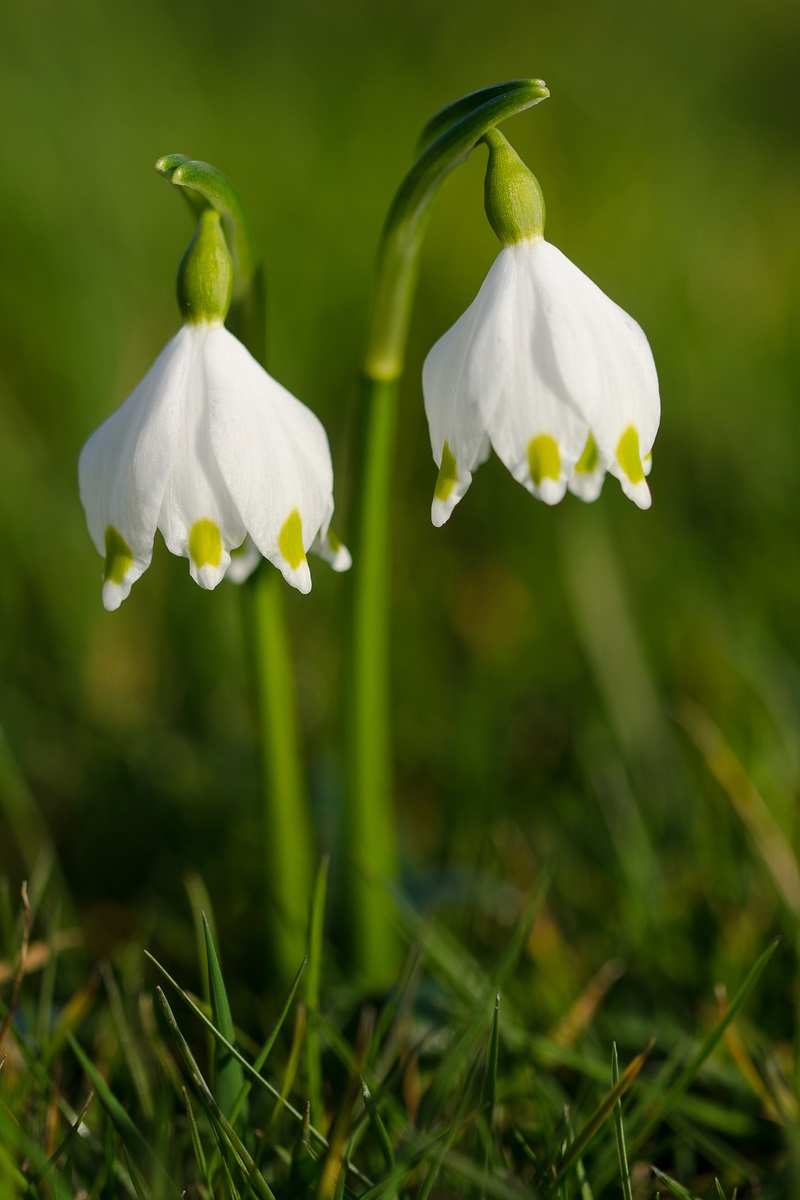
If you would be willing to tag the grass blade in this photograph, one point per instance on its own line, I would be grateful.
(313, 1056)
(619, 1131)
(39, 1175)
(489, 1088)
(127, 1043)
(673, 1187)
(226, 1073)
(707, 1047)
(197, 1145)
(576, 1148)
(251, 1172)
(378, 1127)
(140, 1151)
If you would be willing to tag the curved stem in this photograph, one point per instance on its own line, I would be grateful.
(405, 225)
(369, 818)
(288, 839)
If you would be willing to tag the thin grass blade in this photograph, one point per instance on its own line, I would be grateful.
(619, 1131)
(707, 1047)
(600, 1114)
(378, 1127)
(128, 1044)
(226, 1073)
(251, 1172)
(673, 1187)
(197, 1144)
(140, 1151)
(313, 1055)
(62, 1147)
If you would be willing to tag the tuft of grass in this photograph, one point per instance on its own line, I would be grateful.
(496, 1110)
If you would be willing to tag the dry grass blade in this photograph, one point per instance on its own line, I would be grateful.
(23, 955)
(606, 1105)
(746, 801)
(41, 952)
(581, 1014)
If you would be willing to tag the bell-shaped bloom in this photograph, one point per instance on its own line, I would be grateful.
(542, 367)
(553, 375)
(213, 452)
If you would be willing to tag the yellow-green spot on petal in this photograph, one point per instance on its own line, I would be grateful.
(590, 457)
(628, 455)
(205, 543)
(544, 458)
(290, 540)
(448, 474)
(119, 557)
(334, 541)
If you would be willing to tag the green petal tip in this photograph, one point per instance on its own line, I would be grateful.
(170, 163)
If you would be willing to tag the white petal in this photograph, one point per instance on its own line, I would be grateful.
(493, 379)
(460, 384)
(605, 363)
(243, 561)
(588, 474)
(273, 456)
(198, 517)
(333, 550)
(532, 427)
(123, 469)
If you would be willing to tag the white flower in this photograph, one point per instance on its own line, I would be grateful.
(551, 373)
(210, 450)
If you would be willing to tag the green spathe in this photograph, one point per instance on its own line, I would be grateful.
(205, 274)
(512, 197)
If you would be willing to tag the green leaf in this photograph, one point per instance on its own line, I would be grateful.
(249, 1070)
(451, 114)
(208, 186)
(250, 1171)
(226, 1073)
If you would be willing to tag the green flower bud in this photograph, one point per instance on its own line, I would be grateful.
(512, 197)
(205, 275)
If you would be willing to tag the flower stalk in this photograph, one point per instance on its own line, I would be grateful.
(369, 817)
(288, 839)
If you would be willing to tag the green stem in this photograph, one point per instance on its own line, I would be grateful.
(288, 836)
(287, 826)
(368, 817)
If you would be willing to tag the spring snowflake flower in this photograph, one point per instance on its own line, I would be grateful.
(542, 366)
(212, 451)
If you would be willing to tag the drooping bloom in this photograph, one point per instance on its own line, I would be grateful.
(210, 450)
(542, 366)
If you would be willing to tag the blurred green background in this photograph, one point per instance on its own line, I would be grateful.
(555, 669)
